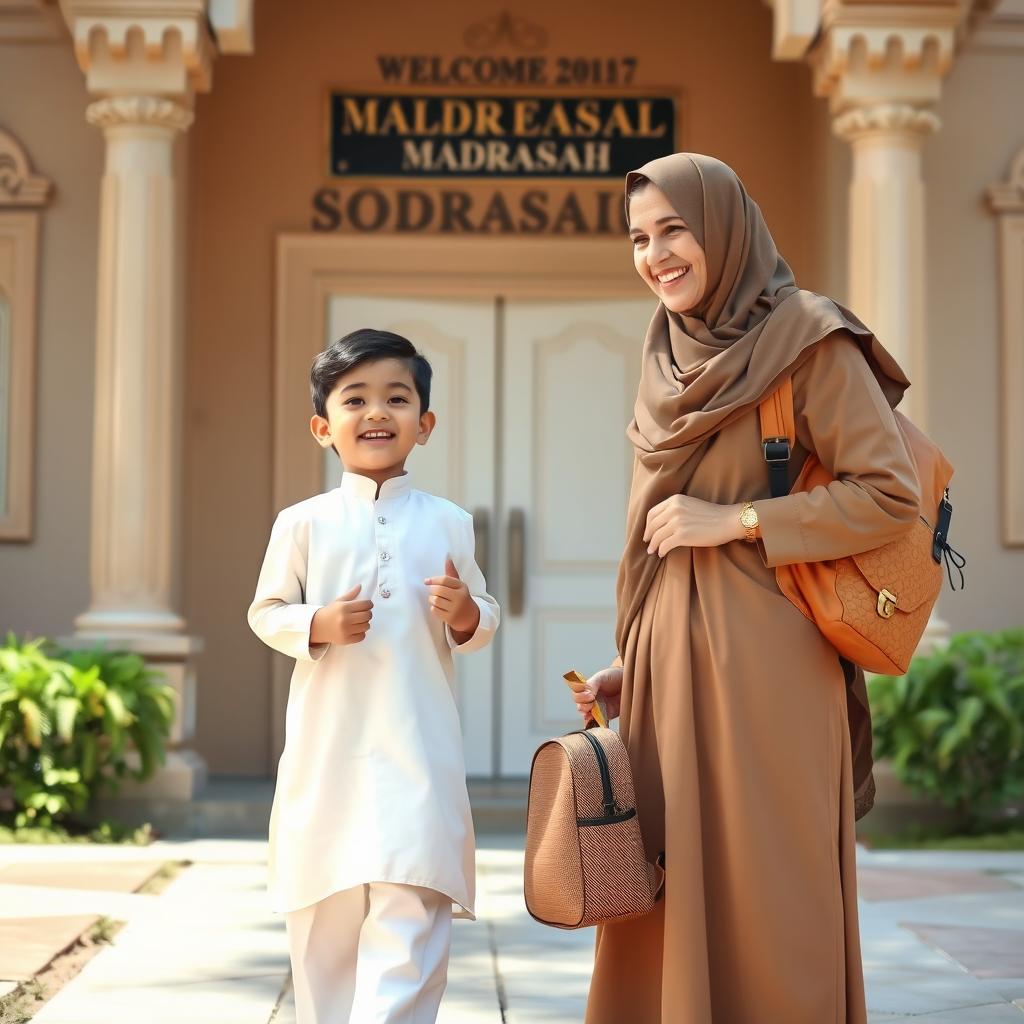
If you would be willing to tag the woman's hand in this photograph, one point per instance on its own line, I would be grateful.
(608, 684)
(682, 521)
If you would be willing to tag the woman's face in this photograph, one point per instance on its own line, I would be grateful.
(665, 253)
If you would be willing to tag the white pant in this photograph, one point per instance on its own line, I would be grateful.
(375, 954)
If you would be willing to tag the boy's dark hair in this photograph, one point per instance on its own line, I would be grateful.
(366, 346)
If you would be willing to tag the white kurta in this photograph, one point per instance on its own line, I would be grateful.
(371, 786)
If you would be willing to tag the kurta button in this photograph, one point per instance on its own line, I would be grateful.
(382, 521)
(384, 556)
(385, 593)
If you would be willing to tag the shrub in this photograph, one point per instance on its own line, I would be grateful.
(67, 722)
(953, 724)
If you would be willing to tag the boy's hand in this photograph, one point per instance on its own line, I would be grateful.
(451, 601)
(344, 621)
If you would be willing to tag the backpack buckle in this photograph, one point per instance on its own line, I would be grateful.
(776, 450)
(887, 602)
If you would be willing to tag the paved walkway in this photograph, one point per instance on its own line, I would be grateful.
(943, 938)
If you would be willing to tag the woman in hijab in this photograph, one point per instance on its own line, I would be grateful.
(749, 737)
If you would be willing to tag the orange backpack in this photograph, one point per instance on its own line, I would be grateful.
(872, 607)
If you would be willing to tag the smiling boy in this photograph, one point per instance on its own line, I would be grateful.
(370, 587)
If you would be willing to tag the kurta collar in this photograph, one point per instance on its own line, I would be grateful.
(363, 487)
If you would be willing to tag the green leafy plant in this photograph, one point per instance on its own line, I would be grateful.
(953, 726)
(68, 720)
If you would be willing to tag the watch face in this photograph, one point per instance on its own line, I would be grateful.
(748, 517)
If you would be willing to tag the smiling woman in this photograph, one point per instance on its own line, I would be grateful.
(666, 253)
(746, 733)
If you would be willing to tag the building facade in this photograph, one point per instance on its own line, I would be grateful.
(196, 196)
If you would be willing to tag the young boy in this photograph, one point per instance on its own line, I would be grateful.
(370, 587)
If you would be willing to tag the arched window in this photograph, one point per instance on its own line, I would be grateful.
(1006, 200)
(22, 197)
(5, 397)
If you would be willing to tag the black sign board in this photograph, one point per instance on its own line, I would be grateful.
(442, 136)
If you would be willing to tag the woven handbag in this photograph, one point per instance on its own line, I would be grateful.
(585, 860)
(873, 606)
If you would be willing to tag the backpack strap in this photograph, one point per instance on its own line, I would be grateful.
(778, 435)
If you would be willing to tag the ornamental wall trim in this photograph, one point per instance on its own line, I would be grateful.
(19, 186)
(1008, 196)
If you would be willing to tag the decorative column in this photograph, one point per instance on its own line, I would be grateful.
(143, 64)
(881, 68)
(137, 421)
(886, 232)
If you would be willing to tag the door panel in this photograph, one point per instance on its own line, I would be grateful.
(458, 463)
(570, 375)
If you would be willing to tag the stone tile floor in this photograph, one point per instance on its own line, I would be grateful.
(943, 938)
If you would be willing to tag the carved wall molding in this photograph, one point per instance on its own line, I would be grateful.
(30, 21)
(232, 24)
(505, 29)
(139, 110)
(995, 26)
(794, 26)
(1006, 200)
(1008, 196)
(19, 186)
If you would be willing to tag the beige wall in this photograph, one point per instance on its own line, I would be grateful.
(257, 157)
(981, 131)
(45, 583)
(254, 159)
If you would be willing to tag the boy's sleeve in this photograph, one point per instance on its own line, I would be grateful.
(278, 614)
(465, 562)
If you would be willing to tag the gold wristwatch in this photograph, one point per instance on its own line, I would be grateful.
(749, 521)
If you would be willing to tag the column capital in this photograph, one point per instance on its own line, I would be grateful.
(139, 47)
(869, 54)
(139, 110)
(885, 119)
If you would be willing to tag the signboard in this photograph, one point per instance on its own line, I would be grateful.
(416, 135)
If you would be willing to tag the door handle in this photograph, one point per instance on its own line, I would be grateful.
(516, 561)
(482, 535)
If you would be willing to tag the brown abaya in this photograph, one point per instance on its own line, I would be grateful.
(734, 708)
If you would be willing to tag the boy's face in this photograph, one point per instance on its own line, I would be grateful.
(373, 419)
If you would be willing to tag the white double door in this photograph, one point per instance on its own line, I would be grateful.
(532, 400)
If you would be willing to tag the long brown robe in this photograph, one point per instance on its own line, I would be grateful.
(734, 715)
(734, 707)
